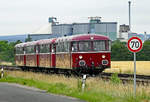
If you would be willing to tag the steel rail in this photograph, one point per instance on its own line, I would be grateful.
(140, 79)
(128, 78)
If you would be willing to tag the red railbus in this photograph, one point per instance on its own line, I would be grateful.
(85, 53)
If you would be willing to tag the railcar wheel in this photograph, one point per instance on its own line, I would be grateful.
(23, 68)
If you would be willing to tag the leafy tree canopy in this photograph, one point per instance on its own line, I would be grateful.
(7, 50)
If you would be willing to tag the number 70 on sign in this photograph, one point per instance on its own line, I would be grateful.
(135, 44)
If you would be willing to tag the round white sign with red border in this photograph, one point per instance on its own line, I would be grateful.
(135, 44)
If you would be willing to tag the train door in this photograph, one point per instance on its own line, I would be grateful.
(53, 56)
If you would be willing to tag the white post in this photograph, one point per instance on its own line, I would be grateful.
(83, 82)
(2, 72)
(135, 74)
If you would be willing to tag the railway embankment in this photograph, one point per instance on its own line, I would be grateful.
(96, 90)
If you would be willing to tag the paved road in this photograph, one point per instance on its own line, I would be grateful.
(18, 93)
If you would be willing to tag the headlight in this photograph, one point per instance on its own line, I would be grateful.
(104, 62)
(103, 56)
(82, 63)
(80, 57)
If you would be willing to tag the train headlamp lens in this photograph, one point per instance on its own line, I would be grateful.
(103, 56)
(80, 57)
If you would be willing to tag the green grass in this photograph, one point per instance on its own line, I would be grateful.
(94, 95)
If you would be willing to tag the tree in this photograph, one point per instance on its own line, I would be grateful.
(144, 54)
(3, 45)
(7, 50)
(120, 52)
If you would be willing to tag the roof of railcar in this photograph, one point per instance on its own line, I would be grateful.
(27, 44)
(31, 43)
(79, 37)
(20, 45)
(83, 37)
(38, 42)
(46, 41)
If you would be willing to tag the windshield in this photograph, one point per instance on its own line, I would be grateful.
(85, 46)
(101, 45)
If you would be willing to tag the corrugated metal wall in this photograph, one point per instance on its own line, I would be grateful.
(107, 29)
(104, 28)
(62, 29)
(99, 28)
(82, 28)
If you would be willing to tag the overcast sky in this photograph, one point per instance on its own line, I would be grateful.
(27, 16)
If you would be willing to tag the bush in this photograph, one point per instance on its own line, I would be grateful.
(115, 79)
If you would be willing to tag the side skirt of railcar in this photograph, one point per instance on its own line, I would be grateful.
(67, 72)
(47, 70)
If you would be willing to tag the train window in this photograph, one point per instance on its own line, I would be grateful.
(99, 45)
(74, 47)
(66, 46)
(62, 47)
(30, 49)
(44, 48)
(19, 50)
(16, 51)
(85, 46)
(58, 47)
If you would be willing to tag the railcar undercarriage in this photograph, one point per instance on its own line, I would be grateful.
(76, 71)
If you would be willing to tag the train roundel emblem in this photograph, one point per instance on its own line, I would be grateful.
(135, 44)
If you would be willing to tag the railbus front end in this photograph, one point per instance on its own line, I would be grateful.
(91, 55)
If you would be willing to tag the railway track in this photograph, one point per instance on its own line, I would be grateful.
(125, 78)
(128, 78)
(5, 67)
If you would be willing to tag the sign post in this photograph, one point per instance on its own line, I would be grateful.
(2, 72)
(135, 45)
(83, 82)
(134, 73)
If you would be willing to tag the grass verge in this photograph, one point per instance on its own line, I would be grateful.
(96, 89)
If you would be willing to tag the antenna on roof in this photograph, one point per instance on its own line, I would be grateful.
(52, 20)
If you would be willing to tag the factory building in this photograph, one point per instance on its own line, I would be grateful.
(62, 29)
(94, 26)
(124, 33)
(105, 28)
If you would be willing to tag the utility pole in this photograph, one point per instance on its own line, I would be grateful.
(129, 15)
(145, 36)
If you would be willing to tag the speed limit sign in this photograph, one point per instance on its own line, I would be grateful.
(135, 44)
